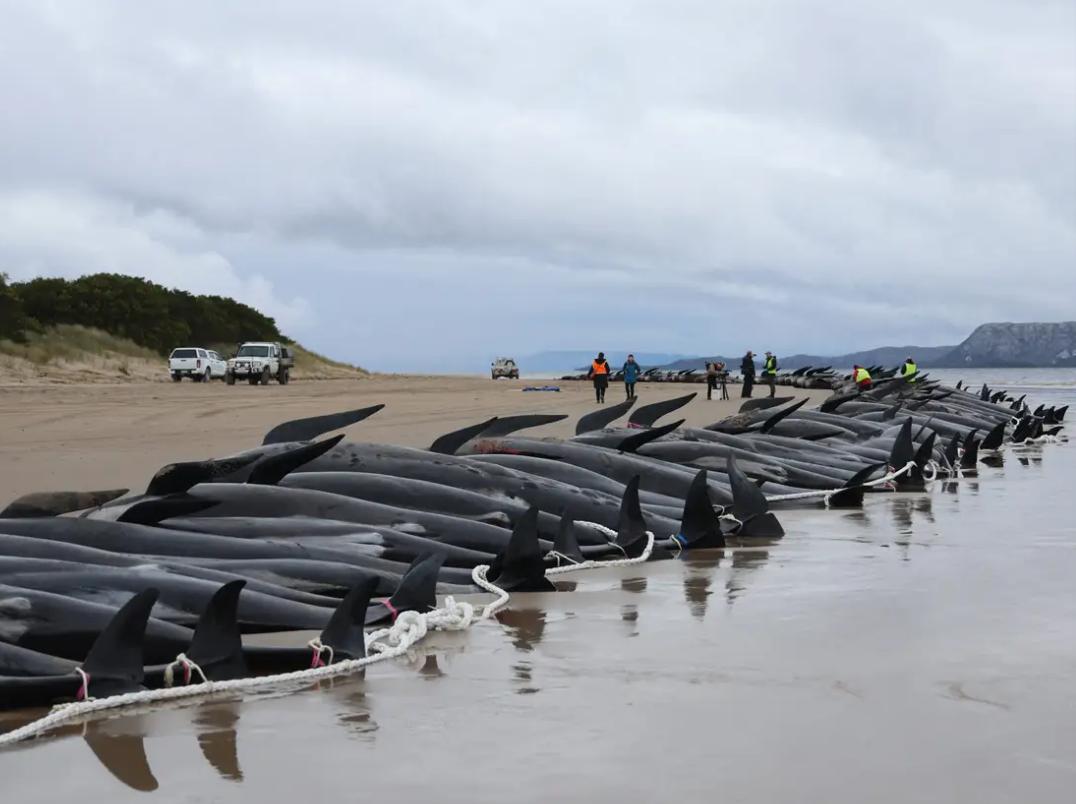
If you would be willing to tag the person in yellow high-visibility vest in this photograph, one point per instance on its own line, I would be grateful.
(909, 370)
(769, 372)
(861, 377)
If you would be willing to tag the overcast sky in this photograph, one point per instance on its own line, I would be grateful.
(421, 185)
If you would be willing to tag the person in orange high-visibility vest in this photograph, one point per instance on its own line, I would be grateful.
(599, 372)
(861, 377)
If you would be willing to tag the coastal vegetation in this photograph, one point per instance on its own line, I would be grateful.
(110, 326)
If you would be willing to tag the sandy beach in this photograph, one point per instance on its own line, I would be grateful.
(104, 436)
(917, 649)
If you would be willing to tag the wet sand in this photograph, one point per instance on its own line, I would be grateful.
(920, 649)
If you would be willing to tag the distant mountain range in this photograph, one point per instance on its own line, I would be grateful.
(993, 345)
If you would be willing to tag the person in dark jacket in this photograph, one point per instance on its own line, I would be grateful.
(747, 369)
(599, 372)
(631, 371)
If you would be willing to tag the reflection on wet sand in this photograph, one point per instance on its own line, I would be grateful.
(123, 755)
(635, 585)
(356, 717)
(698, 577)
(217, 737)
(745, 562)
(430, 669)
(527, 626)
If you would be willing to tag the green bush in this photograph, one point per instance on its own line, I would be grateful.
(130, 307)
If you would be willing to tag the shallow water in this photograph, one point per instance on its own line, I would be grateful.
(920, 649)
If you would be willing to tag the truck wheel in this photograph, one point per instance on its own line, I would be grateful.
(209, 375)
(282, 376)
(265, 376)
(493, 375)
(229, 378)
(176, 376)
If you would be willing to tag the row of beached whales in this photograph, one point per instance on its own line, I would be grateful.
(335, 536)
(811, 377)
(806, 377)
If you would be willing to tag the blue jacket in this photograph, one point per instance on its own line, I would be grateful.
(631, 371)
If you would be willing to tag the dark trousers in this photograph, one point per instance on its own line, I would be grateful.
(711, 386)
(771, 380)
(629, 389)
(748, 384)
(601, 382)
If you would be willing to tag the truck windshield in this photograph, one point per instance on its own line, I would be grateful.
(253, 351)
(184, 353)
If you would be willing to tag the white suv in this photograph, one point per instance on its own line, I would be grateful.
(201, 365)
(260, 362)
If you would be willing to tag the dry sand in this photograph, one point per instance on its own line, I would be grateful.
(103, 436)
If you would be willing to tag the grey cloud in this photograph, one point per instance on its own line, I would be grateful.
(694, 171)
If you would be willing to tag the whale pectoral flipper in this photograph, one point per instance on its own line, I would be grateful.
(156, 510)
(450, 442)
(271, 469)
(311, 428)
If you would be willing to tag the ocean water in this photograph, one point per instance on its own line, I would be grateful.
(920, 649)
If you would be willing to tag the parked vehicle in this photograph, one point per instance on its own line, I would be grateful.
(201, 365)
(258, 362)
(504, 367)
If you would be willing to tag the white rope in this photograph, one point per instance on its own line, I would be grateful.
(409, 628)
(826, 494)
(182, 661)
(386, 643)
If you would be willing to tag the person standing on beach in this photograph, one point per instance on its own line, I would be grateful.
(909, 370)
(747, 369)
(631, 375)
(599, 372)
(711, 379)
(769, 372)
(861, 377)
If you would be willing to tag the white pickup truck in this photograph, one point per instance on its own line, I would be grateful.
(201, 365)
(260, 362)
